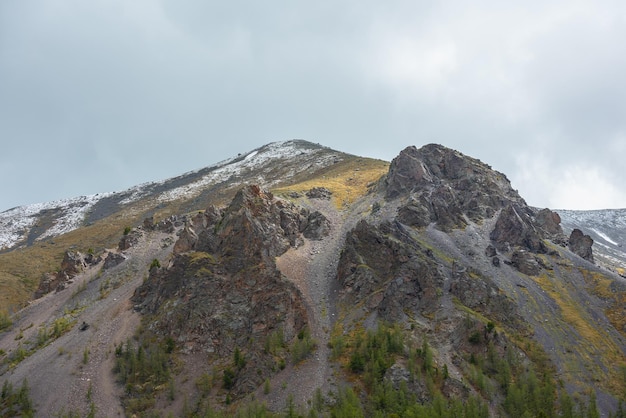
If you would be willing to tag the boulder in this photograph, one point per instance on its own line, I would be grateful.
(580, 244)
(318, 226)
(113, 259)
(73, 263)
(319, 193)
(514, 227)
(525, 262)
(148, 223)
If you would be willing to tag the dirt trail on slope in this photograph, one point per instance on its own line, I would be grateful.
(313, 269)
(74, 372)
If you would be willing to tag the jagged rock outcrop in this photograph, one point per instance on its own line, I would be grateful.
(515, 227)
(580, 244)
(113, 259)
(223, 291)
(281, 225)
(550, 223)
(387, 271)
(129, 239)
(443, 186)
(73, 264)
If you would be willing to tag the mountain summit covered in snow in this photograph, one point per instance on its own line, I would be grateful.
(295, 280)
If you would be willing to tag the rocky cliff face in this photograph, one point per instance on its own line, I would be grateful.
(388, 272)
(440, 185)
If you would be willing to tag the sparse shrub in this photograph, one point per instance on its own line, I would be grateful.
(127, 230)
(228, 379)
(142, 368)
(303, 346)
(170, 344)
(337, 345)
(155, 264)
(204, 384)
(16, 403)
(475, 338)
(239, 359)
(275, 342)
(5, 320)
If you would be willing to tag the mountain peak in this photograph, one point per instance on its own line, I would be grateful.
(442, 185)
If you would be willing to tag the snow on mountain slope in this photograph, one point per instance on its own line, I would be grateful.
(607, 227)
(16, 223)
(25, 224)
(253, 160)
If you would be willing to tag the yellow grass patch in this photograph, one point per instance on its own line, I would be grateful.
(596, 343)
(347, 180)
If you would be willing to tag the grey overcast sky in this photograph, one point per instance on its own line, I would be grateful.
(97, 96)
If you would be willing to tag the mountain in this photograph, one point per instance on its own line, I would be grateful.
(297, 280)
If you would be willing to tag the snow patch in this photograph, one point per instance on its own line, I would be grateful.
(255, 160)
(16, 223)
(604, 236)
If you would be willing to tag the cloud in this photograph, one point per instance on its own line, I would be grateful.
(107, 94)
(570, 186)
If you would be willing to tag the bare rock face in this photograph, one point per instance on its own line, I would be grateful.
(73, 264)
(514, 227)
(386, 273)
(406, 172)
(549, 221)
(482, 295)
(580, 244)
(443, 186)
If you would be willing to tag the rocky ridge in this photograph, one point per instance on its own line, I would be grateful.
(441, 246)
